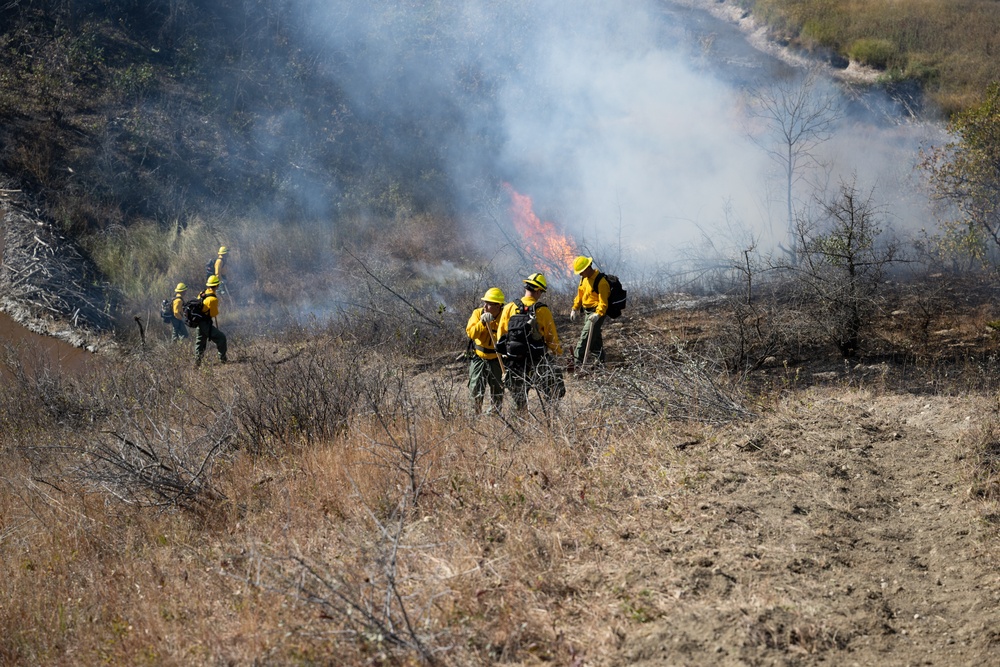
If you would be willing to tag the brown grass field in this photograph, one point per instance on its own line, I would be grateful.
(324, 501)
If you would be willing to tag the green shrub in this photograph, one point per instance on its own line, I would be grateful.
(924, 68)
(878, 53)
(134, 80)
(818, 32)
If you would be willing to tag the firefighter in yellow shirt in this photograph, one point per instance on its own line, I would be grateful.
(218, 269)
(528, 340)
(485, 368)
(591, 299)
(207, 331)
(180, 329)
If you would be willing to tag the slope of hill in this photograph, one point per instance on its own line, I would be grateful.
(339, 502)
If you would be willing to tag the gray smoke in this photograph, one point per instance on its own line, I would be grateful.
(623, 121)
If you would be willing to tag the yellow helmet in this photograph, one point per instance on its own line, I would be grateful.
(536, 281)
(494, 295)
(181, 287)
(581, 263)
(223, 250)
(213, 281)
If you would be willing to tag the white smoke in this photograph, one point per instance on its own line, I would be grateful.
(613, 117)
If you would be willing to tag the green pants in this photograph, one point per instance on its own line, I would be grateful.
(208, 332)
(596, 341)
(544, 375)
(485, 373)
(180, 329)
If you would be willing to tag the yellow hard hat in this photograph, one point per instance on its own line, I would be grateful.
(581, 263)
(181, 287)
(537, 281)
(494, 295)
(213, 281)
(223, 250)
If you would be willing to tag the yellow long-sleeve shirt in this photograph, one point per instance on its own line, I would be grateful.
(220, 267)
(592, 300)
(178, 307)
(210, 303)
(543, 316)
(479, 333)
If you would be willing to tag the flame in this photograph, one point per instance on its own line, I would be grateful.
(543, 242)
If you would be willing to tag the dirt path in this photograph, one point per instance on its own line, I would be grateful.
(838, 530)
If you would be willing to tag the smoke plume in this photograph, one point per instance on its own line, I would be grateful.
(624, 122)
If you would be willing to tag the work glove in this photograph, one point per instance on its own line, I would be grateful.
(573, 314)
(485, 318)
(593, 317)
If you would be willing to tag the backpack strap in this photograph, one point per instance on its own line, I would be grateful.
(521, 308)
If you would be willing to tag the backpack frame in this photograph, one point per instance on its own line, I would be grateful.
(167, 310)
(210, 266)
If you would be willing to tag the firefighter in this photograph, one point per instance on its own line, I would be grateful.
(592, 300)
(530, 363)
(218, 268)
(207, 330)
(485, 368)
(180, 329)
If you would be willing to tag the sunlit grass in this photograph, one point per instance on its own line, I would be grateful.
(951, 47)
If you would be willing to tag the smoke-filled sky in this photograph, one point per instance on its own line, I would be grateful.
(619, 119)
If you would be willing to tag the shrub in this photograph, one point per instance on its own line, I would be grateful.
(879, 53)
(820, 32)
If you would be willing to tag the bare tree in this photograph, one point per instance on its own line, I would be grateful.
(841, 264)
(789, 120)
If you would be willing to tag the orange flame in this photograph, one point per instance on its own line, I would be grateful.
(543, 242)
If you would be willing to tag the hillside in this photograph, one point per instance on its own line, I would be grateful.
(946, 48)
(324, 498)
(790, 463)
(115, 113)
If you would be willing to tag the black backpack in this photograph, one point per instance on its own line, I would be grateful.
(523, 339)
(210, 266)
(619, 295)
(194, 313)
(167, 311)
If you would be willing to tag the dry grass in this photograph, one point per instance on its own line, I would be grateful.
(658, 515)
(949, 46)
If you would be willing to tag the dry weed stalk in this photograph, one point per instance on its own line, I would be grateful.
(144, 461)
(408, 453)
(308, 398)
(675, 384)
(39, 396)
(985, 466)
(372, 594)
(371, 602)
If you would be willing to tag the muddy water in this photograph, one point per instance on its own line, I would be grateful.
(34, 350)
